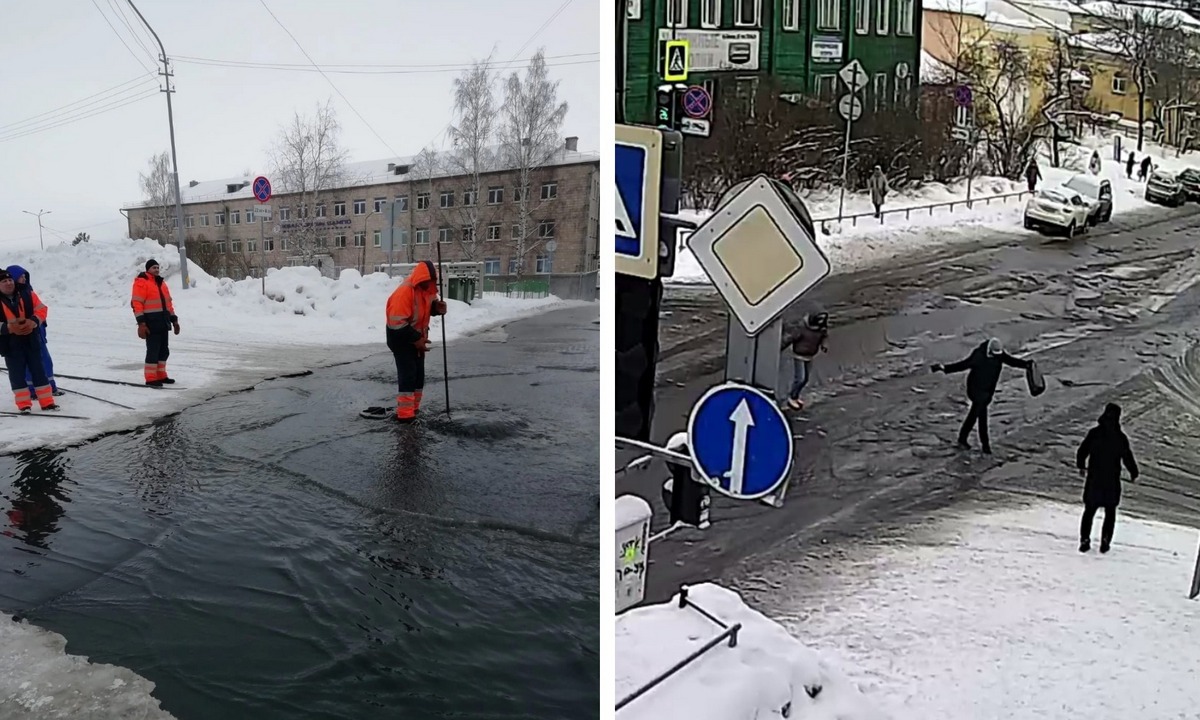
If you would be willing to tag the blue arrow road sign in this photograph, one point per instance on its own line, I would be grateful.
(631, 186)
(740, 441)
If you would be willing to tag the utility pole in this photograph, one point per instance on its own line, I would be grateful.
(39, 215)
(167, 75)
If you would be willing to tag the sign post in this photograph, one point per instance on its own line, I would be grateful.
(262, 193)
(850, 107)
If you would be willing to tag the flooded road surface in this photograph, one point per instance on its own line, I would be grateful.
(1114, 316)
(269, 554)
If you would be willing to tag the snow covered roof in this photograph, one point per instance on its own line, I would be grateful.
(934, 71)
(1097, 42)
(1148, 12)
(360, 174)
(962, 7)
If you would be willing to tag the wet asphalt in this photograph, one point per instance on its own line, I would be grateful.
(874, 447)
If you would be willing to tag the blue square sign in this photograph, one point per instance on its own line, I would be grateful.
(631, 177)
(638, 170)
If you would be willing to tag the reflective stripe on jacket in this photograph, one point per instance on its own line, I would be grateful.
(151, 295)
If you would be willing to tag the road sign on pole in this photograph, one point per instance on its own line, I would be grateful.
(963, 95)
(697, 102)
(854, 76)
(740, 442)
(675, 61)
(850, 108)
(262, 189)
(759, 253)
(638, 170)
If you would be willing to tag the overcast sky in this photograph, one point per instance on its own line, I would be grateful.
(82, 161)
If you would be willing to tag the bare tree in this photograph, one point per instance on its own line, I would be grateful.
(472, 154)
(159, 193)
(307, 161)
(530, 137)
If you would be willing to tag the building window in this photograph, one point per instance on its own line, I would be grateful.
(220, 216)
(514, 265)
(360, 239)
(283, 243)
(862, 16)
(445, 234)
(285, 213)
(220, 247)
(491, 266)
(549, 190)
(546, 229)
(360, 207)
(379, 203)
(422, 201)
(204, 220)
(495, 196)
(187, 221)
(320, 210)
(251, 246)
(676, 13)
(269, 244)
(1119, 85)
(401, 204)
(401, 237)
(791, 15)
(235, 246)
(339, 208)
(250, 215)
(377, 238)
(710, 14)
(235, 217)
(829, 14)
(493, 231)
(303, 211)
(446, 199)
(468, 234)
(826, 87)
(516, 232)
(904, 17)
(468, 198)
(880, 94)
(882, 15)
(544, 264)
(518, 194)
(422, 236)
(323, 242)
(175, 221)
(748, 13)
(339, 241)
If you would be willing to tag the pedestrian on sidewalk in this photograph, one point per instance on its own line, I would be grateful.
(1144, 170)
(1033, 173)
(1104, 450)
(21, 276)
(814, 331)
(879, 187)
(23, 312)
(985, 364)
(1094, 163)
(155, 315)
(409, 310)
(1129, 166)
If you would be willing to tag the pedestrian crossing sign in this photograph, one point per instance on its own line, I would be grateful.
(676, 61)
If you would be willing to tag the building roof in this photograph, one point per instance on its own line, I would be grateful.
(961, 7)
(364, 174)
(1152, 12)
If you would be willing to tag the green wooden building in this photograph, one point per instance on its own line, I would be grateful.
(801, 43)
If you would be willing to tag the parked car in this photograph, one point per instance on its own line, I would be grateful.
(1097, 194)
(1165, 188)
(1057, 209)
(1190, 178)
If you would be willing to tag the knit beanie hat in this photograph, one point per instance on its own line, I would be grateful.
(151, 263)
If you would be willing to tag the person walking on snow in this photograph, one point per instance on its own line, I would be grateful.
(813, 333)
(155, 315)
(879, 187)
(21, 276)
(1129, 166)
(409, 310)
(23, 312)
(1033, 173)
(1144, 170)
(1104, 450)
(985, 364)
(1094, 164)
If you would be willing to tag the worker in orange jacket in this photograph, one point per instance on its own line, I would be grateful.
(155, 315)
(409, 309)
(23, 313)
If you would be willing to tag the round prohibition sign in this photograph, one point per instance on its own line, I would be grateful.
(697, 102)
(262, 189)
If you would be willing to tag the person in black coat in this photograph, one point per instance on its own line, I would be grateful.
(1099, 460)
(985, 364)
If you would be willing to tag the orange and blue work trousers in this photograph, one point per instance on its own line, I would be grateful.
(410, 373)
(26, 354)
(158, 348)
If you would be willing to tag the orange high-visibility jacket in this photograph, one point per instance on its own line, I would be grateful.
(26, 302)
(410, 306)
(151, 295)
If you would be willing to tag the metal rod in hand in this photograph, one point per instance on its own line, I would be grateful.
(445, 364)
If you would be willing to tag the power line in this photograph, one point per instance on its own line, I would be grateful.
(309, 68)
(110, 26)
(331, 84)
(327, 66)
(67, 121)
(26, 121)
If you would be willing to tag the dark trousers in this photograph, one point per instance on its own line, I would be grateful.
(157, 347)
(1106, 529)
(977, 414)
(410, 378)
(25, 356)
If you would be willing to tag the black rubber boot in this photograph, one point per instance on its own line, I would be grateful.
(1085, 545)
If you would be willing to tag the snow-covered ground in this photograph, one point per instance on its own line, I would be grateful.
(855, 246)
(769, 674)
(997, 616)
(232, 336)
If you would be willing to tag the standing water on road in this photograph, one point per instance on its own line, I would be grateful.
(270, 554)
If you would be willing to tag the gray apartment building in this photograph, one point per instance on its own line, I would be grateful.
(346, 224)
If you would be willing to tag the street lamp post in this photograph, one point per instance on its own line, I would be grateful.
(39, 215)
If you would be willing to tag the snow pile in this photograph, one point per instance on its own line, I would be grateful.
(39, 681)
(769, 674)
(998, 616)
(854, 245)
(232, 336)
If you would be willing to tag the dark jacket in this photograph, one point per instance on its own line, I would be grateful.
(1103, 452)
(809, 342)
(984, 372)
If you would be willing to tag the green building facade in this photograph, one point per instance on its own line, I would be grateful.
(800, 43)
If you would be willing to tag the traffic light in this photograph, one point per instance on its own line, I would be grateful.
(666, 112)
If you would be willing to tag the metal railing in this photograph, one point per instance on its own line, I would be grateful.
(524, 289)
(908, 211)
(730, 633)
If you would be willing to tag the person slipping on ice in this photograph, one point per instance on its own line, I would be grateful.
(1104, 450)
(21, 276)
(155, 315)
(409, 309)
(985, 364)
(814, 331)
(20, 344)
